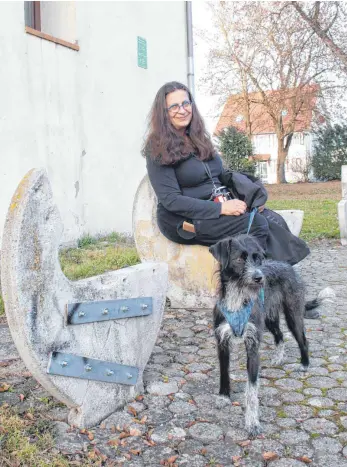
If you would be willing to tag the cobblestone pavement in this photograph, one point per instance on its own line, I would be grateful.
(180, 419)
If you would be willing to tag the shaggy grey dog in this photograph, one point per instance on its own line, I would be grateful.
(254, 292)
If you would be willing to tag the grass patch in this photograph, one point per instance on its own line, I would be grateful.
(2, 308)
(320, 220)
(26, 442)
(96, 259)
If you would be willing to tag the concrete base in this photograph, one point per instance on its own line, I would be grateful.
(294, 219)
(342, 213)
(192, 282)
(35, 293)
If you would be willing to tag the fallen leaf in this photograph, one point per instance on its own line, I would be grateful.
(171, 459)
(4, 387)
(124, 435)
(236, 404)
(132, 410)
(29, 416)
(143, 420)
(90, 436)
(189, 424)
(269, 456)
(134, 432)
(139, 398)
(83, 431)
(171, 397)
(127, 456)
(113, 442)
(203, 451)
(123, 443)
(305, 459)
(21, 397)
(245, 443)
(27, 374)
(103, 457)
(4, 363)
(236, 459)
(136, 452)
(149, 442)
(2, 430)
(113, 429)
(103, 426)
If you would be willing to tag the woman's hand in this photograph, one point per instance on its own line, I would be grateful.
(233, 207)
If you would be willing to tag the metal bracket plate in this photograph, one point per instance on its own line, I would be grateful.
(105, 310)
(75, 366)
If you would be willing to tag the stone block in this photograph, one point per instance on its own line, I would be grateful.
(35, 293)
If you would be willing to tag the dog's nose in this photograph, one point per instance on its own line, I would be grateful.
(258, 277)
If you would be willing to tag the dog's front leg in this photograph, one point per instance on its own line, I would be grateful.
(224, 357)
(252, 342)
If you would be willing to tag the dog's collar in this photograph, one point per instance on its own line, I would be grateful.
(239, 319)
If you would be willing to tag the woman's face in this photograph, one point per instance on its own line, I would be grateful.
(179, 109)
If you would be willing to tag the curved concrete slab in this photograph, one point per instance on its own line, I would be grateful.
(35, 293)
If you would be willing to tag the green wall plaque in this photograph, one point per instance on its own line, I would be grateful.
(141, 52)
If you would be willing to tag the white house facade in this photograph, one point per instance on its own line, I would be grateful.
(300, 151)
(76, 84)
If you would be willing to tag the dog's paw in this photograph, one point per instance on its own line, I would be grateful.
(254, 430)
(299, 368)
(279, 357)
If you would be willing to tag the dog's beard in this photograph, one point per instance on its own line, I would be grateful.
(241, 291)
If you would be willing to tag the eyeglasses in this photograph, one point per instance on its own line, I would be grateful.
(175, 108)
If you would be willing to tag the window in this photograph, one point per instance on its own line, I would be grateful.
(53, 21)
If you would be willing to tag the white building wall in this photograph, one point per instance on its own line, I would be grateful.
(81, 115)
(300, 148)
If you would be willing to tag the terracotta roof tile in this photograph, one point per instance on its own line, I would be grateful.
(234, 110)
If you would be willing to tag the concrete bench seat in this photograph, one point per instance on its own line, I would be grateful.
(192, 282)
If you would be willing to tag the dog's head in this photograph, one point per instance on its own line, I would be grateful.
(240, 258)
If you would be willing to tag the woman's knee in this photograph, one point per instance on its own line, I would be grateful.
(260, 224)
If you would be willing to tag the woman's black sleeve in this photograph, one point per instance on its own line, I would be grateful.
(166, 187)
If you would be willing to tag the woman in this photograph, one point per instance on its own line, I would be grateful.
(185, 170)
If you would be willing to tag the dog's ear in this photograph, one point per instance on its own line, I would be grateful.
(252, 242)
(221, 252)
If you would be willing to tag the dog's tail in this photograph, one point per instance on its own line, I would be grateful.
(325, 295)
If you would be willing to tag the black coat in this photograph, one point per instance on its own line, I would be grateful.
(282, 245)
(183, 191)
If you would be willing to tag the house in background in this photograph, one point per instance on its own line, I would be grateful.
(264, 137)
(77, 82)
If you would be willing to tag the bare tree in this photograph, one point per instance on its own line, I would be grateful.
(263, 53)
(327, 20)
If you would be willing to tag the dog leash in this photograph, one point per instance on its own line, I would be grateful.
(251, 217)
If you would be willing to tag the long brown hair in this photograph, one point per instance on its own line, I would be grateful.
(163, 143)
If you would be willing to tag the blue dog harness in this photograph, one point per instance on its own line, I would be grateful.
(239, 319)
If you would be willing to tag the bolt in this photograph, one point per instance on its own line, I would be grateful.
(124, 308)
(81, 314)
(64, 363)
(109, 372)
(129, 376)
(105, 311)
(144, 306)
(88, 368)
